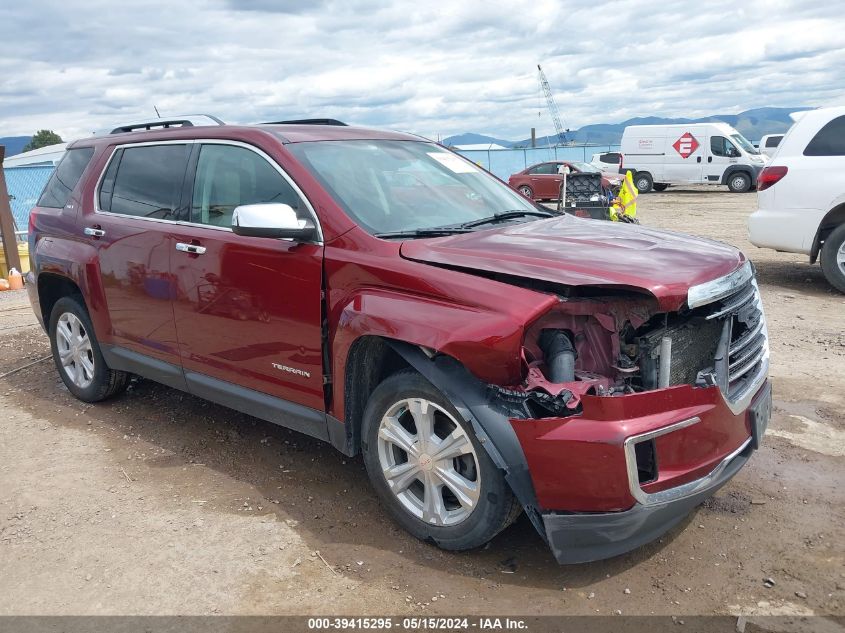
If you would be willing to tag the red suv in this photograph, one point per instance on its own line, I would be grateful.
(372, 289)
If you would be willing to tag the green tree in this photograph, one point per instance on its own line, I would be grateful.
(42, 138)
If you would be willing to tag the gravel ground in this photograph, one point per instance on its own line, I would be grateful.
(160, 503)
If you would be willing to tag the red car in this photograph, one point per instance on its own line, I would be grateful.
(542, 181)
(376, 291)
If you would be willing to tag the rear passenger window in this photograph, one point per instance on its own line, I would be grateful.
(64, 179)
(544, 169)
(145, 181)
(229, 176)
(611, 158)
(773, 141)
(828, 141)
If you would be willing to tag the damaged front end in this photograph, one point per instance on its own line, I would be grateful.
(628, 417)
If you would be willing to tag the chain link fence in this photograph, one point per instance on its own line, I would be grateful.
(25, 184)
(504, 162)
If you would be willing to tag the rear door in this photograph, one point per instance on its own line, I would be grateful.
(138, 201)
(247, 309)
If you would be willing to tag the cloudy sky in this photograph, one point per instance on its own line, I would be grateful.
(431, 67)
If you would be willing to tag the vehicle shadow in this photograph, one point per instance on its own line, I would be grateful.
(795, 276)
(308, 484)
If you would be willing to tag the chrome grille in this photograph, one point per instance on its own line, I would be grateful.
(743, 353)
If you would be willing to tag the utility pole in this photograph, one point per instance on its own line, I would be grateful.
(7, 221)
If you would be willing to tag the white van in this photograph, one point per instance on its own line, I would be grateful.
(712, 153)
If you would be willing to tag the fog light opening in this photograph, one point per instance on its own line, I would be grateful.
(646, 461)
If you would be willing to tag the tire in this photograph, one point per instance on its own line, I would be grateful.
(739, 182)
(461, 515)
(643, 182)
(660, 186)
(526, 191)
(833, 258)
(84, 370)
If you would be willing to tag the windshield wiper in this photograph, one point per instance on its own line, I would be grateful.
(505, 215)
(427, 232)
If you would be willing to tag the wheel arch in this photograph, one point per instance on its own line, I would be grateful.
(733, 169)
(51, 287)
(491, 424)
(833, 219)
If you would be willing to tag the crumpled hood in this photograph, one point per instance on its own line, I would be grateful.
(578, 252)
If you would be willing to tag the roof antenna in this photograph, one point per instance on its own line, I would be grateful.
(157, 114)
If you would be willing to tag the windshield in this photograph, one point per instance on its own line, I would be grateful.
(744, 143)
(396, 186)
(586, 168)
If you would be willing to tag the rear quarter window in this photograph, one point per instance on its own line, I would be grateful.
(65, 178)
(828, 141)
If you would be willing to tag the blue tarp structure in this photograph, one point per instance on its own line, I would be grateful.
(25, 184)
(504, 162)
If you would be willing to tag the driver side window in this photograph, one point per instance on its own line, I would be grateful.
(720, 146)
(229, 176)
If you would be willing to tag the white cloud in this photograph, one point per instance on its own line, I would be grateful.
(430, 67)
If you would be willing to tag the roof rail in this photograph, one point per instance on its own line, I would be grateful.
(186, 120)
(307, 122)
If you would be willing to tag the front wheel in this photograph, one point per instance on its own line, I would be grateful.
(833, 258)
(429, 469)
(77, 355)
(739, 182)
(643, 182)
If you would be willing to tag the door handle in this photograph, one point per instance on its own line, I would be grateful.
(709, 159)
(698, 159)
(190, 248)
(94, 231)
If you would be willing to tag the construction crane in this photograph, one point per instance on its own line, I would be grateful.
(553, 111)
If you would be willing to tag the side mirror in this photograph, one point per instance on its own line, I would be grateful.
(271, 220)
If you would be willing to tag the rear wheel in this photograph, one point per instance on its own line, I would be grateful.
(739, 182)
(833, 258)
(526, 191)
(77, 355)
(660, 186)
(428, 467)
(643, 182)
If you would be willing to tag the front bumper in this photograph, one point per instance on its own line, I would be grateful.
(585, 472)
(582, 538)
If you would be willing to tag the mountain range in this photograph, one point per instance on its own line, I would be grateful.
(752, 124)
(14, 144)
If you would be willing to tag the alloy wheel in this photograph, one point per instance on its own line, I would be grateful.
(75, 351)
(428, 462)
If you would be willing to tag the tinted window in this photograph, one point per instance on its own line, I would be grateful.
(611, 158)
(148, 181)
(64, 179)
(720, 146)
(229, 176)
(828, 141)
(773, 141)
(545, 168)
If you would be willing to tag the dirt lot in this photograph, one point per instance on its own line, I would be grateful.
(160, 503)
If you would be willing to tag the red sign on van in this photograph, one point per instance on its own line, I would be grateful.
(686, 145)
